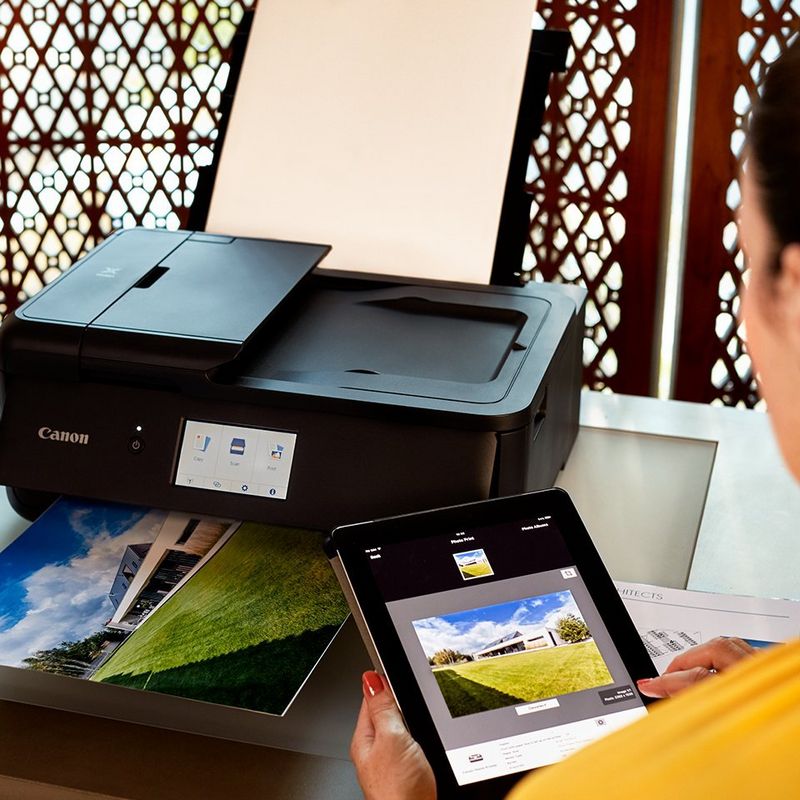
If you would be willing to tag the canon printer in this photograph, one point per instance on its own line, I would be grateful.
(227, 376)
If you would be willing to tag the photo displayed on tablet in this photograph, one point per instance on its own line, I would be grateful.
(511, 653)
(509, 627)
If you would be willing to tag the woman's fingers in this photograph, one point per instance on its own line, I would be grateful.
(717, 654)
(695, 665)
(670, 683)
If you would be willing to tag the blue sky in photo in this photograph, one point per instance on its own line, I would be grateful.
(55, 577)
(64, 531)
(470, 556)
(530, 611)
(471, 630)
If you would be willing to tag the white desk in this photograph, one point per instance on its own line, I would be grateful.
(673, 493)
(639, 473)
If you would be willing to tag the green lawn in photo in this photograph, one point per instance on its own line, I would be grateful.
(477, 570)
(521, 678)
(245, 630)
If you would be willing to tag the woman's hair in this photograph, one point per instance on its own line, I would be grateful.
(774, 140)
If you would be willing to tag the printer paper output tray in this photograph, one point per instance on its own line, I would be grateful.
(391, 395)
(420, 342)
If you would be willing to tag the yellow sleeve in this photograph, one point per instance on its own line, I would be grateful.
(732, 736)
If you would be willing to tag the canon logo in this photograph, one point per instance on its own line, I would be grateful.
(63, 436)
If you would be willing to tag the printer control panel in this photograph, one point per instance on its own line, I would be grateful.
(236, 459)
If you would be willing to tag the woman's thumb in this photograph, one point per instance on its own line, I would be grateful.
(383, 710)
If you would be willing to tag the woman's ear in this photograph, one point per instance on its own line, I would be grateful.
(788, 292)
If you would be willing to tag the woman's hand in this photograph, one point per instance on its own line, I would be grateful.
(390, 765)
(696, 664)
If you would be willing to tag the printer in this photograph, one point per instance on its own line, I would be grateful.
(244, 378)
(227, 376)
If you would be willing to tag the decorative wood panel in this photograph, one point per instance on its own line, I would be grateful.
(738, 40)
(596, 177)
(108, 110)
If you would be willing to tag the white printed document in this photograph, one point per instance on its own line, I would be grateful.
(673, 620)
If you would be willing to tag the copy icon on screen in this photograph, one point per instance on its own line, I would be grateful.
(201, 442)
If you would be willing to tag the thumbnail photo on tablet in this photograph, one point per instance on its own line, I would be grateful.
(473, 564)
(509, 653)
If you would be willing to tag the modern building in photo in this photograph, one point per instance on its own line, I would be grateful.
(149, 572)
(517, 642)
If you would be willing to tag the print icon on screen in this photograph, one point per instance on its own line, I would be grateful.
(276, 452)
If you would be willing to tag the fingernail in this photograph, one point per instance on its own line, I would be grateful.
(644, 681)
(372, 684)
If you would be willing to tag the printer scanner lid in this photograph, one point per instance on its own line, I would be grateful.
(172, 299)
(243, 320)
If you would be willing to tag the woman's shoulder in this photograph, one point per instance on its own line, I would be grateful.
(733, 735)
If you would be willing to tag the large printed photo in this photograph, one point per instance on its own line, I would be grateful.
(208, 609)
(510, 653)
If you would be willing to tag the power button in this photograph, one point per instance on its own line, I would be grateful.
(136, 444)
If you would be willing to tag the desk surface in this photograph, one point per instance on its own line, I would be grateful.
(673, 493)
(747, 540)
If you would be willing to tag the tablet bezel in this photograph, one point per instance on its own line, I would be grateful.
(349, 541)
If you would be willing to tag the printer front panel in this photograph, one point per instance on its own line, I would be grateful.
(123, 444)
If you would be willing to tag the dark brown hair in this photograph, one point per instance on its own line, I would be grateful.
(774, 140)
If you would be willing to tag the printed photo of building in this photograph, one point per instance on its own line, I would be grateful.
(149, 572)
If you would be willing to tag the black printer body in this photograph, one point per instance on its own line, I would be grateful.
(228, 376)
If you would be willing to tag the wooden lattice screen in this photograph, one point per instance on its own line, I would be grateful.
(738, 40)
(109, 108)
(596, 178)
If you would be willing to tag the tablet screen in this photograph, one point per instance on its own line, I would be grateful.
(508, 648)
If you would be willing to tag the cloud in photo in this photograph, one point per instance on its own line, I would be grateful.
(68, 600)
(91, 521)
(470, 631)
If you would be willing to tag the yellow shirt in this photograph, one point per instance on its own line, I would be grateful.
(732, 736)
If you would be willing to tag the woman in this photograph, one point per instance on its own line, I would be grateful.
(735, 735)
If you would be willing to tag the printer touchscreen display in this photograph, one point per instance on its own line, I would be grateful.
(233, 458)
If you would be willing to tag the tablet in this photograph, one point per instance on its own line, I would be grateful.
(500, 632)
